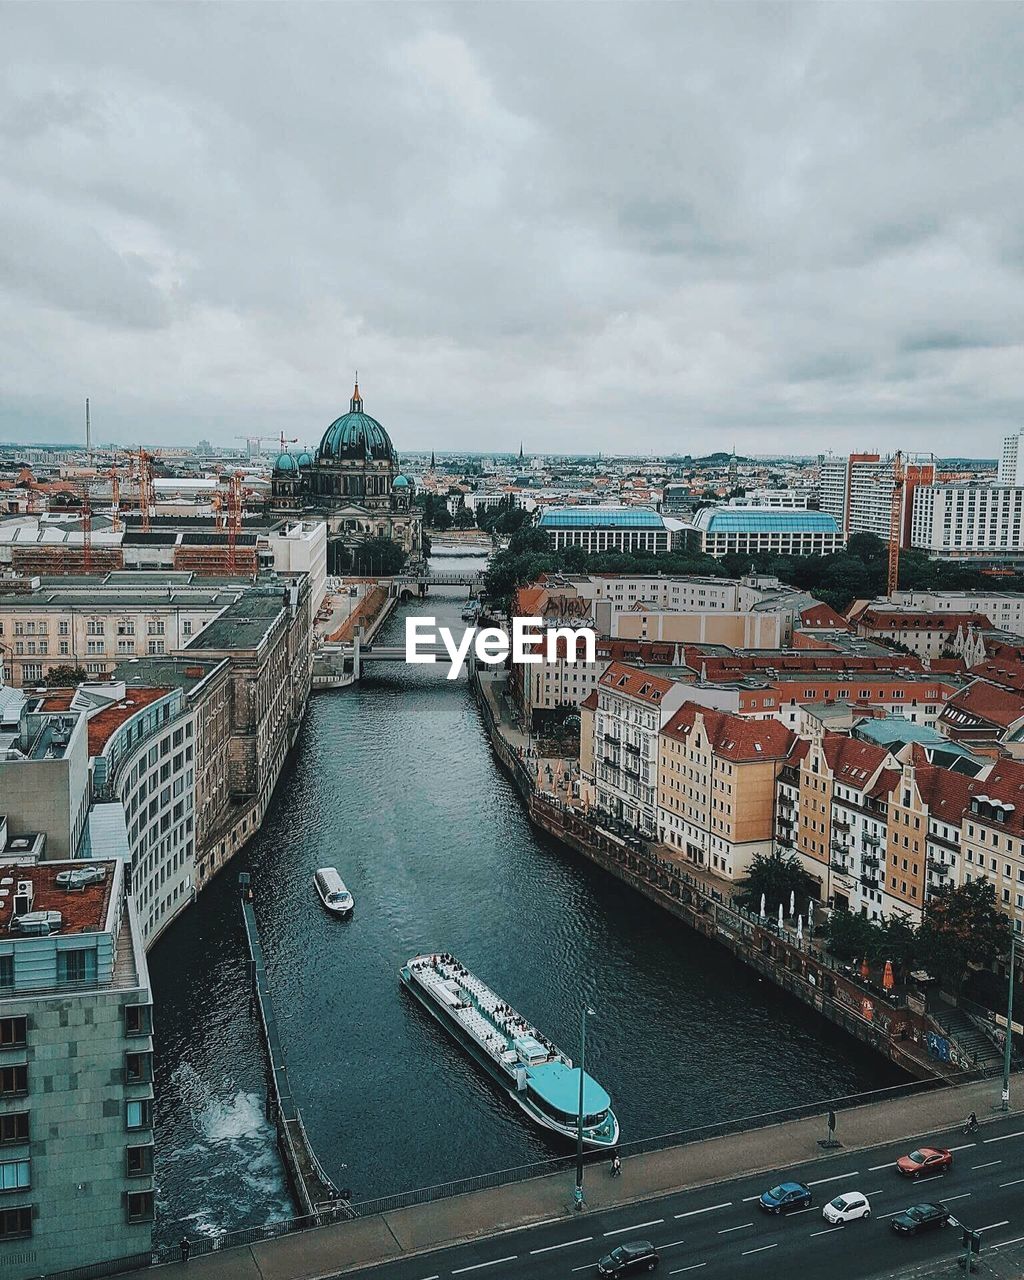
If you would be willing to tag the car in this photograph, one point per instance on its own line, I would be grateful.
(786, 1197)
(920, 1217)
(634, 1255)
(848, 1207)
(925, 1161)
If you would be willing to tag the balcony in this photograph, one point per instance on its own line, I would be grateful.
(784, 839)
(787, 802)
(788, 774)
(869, 882)
(634, 747)
(839, 846)
(613, 738)
(937, 867)
(840, 868)
(840, 824)
(611, 761)
(632, 770)
(872, 840)
(870, 861)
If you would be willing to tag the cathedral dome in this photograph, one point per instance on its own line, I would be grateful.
(285, 464)
(400, 482)
(356, 437)
(305, 458)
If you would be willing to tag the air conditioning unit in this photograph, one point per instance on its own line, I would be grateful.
(23, 897)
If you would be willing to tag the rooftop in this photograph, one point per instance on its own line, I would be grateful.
(245, 623)
(82, 910)
(757, 520)
(601, 518)
(104, 724)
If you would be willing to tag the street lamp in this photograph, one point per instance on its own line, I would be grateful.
(578, 1193)
(1008, 1047)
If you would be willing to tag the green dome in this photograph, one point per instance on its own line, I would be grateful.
(305, 458)
(400, 482)
(356, 437)
(285, 463)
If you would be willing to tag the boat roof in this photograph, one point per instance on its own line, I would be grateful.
(559, 1085)
(330, 879)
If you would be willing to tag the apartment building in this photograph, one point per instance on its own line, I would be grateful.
(928, 635)
(295, 547)
(1011, 460)
(76, 1073)
(97, 625)
(857, 490)
(960, 521)
(44, 772)
(632, 707)
(1003, 609)
(862, 775)
(716, 787)
(723, 531)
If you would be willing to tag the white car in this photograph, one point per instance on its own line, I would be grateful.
(848, 1207)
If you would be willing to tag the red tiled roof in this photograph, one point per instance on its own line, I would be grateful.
(884, 783)
(1006, 674)
(84, 911)
(103, 724)
(852, 761)
(987, 702)
(894, 620)
(589, 703)
(635, 683)
(733, 737)
(823, 615)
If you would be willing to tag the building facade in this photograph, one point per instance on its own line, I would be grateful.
(958, 521)
(723, 531)
(596, 529)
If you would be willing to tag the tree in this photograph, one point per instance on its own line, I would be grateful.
(378, 557)
(464, 518)
(65, 675)
(962, 926)
(852, 937)
(776, 876)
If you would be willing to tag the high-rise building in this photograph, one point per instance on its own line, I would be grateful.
(958, 520)
(1011, 460)
(857, 490)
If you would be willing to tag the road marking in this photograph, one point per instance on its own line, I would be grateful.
(828, 1231)
(747, 1199)
(494, 1262)
(986, 1166)
(992, 1225)
(692, 1267)
(725, 1230)
(565, 1245)
(999, 1244)
(966, 1147)
(880, 1191)
(875, 1167)
(671, 1244)
(932, 1177)
(746, 1253)
(795, 1213)
(962, 1196)
(838, 1178)
(635, 1227)
(710, 1209)
(433, 1278)
(1015, 1183)
(1005, 1137)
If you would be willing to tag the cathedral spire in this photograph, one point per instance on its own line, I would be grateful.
(433, 464)
(356, 404)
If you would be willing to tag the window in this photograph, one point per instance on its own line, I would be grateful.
(13, 1032)
(139, 1205)
(15, 1175)
(14, 1127)
(138, 1161)
(14, 1080)
(138, 1019)
(7, 971)
(138, 1068)
(78, 965)
(139, 1114)
(16, 1224)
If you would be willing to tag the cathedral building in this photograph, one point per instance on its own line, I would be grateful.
(354, 482)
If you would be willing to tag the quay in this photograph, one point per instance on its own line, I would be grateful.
(317, 1198)
(434, 1218)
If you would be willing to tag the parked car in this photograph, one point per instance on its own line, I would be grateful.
(635, 1255)
(924, 1161)
(920, 1217)
(786, 1197)
(848, 1207)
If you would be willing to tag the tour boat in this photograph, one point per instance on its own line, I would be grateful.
(333, 894)
(536, 1075)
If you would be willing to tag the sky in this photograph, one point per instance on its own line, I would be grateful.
(621, 227)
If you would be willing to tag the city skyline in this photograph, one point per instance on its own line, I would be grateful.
(755, 225)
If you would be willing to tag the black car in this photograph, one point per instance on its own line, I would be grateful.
(786, 1198)
(920, 1217)
(636, 1255)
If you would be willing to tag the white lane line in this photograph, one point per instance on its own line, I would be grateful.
(545, 1222)
(746, 1253)
(827, 1232)
(432, 1278)
(795, 1213)
(880, 1191)
(1005, 1137)
(725, 1230)
(962, 1196)
(692, 1267)
(671, 1244)
(654, 1222)
(710, 1209)
(999, 1244)
(477, 1266)
(992, 1225)
(564, 1245)
(747, 1199)
(838, 1178)
(965, 1147)
(986, 1166)
(1015, 1183)
(875, 1167)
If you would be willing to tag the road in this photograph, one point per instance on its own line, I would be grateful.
(717, 1232)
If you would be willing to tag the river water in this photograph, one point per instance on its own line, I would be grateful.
(393, 782)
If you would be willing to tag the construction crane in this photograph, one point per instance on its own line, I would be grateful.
(86, 514)
(899, 477)
(145, 465)
(269, 439)
(234, 516)
(115, 498)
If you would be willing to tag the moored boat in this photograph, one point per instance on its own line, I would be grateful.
(535, 1073)
(332, 891)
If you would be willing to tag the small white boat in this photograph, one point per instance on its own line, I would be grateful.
(333, 894)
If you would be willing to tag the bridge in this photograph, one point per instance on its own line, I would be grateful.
(422, 582)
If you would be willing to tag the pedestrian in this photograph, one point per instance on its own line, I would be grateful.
(185, 1247)
(616, 1165)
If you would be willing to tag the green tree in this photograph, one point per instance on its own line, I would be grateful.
(65, 675)
(464, 518)
(962, 926)
(378, 557)
(852, 937)
(776, 876)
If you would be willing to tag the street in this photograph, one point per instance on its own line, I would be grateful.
(720, 1231)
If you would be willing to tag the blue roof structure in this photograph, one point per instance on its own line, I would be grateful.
(559, 1086)
(753, 520)
(601, 518)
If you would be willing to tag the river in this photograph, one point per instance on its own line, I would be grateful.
(393, 782)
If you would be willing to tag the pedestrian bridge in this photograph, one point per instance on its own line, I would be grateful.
(453, 578)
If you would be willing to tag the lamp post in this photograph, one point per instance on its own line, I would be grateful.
(578, 1192)
(1008, 1047)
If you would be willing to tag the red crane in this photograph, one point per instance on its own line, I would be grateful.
(899, 476)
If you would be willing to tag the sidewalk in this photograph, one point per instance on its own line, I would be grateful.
(368, 1242)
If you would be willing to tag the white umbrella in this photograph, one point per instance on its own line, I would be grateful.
(762, 904)
(799, 928)
(792, 902)
(810, 912)
(780, 916)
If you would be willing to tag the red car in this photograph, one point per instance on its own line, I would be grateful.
(925, 1161)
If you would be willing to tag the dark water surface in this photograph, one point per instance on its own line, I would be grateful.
(393, 783)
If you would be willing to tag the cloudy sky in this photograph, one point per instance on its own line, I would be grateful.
(629, 227)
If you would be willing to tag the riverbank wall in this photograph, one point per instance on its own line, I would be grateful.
(899, 1031)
